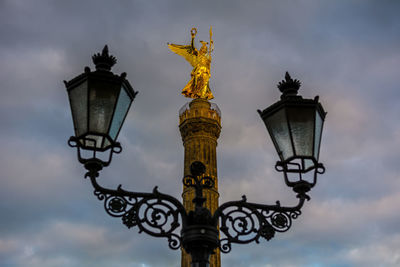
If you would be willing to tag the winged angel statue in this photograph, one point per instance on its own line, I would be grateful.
(198, 86)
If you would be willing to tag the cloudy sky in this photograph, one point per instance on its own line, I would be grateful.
(347, 52)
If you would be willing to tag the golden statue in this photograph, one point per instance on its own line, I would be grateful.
(198, 86)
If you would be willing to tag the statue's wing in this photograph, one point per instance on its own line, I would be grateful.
(186, 51)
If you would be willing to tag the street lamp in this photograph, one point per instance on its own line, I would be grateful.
(99, 103)
(295, 126)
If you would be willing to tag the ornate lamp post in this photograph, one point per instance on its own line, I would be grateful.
(100, 101)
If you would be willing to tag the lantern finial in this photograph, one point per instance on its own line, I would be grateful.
(289, 87)
(104, 61)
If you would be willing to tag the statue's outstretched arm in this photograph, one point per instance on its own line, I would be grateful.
(193, 32)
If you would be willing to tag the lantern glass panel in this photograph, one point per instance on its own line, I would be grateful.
(78, 98)
(318, 131)
(123, 104)
(301, 120)
(94, 141)
(102, 101)
(308, 163)
(279, 130)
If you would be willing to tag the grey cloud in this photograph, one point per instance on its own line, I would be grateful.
(345, 51)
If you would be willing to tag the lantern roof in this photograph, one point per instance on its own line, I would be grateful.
(103, 62)
(289, 88)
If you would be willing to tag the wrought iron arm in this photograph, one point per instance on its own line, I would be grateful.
(243, 222)
(155, 213)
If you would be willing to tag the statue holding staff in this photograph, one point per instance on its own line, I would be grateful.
(198, 86)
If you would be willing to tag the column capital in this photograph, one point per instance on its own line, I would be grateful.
(200, 118)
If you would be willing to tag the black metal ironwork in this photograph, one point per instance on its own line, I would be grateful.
(78, 142)
(289, 87)
(155, 213)
(161, 215)
(291, 166)
(295, 160)
(88, 92)
(198, 231)
(243, 222)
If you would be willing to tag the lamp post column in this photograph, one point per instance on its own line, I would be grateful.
(200, 126)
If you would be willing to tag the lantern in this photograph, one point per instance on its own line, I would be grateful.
(99, 101)
(295, 126)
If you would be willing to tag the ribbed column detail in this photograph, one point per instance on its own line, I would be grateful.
(200, 126)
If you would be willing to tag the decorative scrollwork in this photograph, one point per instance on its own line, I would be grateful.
(207, 182)
(174, 241)
(280, 220)
(242, 222)
(162, 215)
(203, 182)
(267, 231)
(153, 213)
(130, 218)
(225, 245)
(115, 205)
(189, 181)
